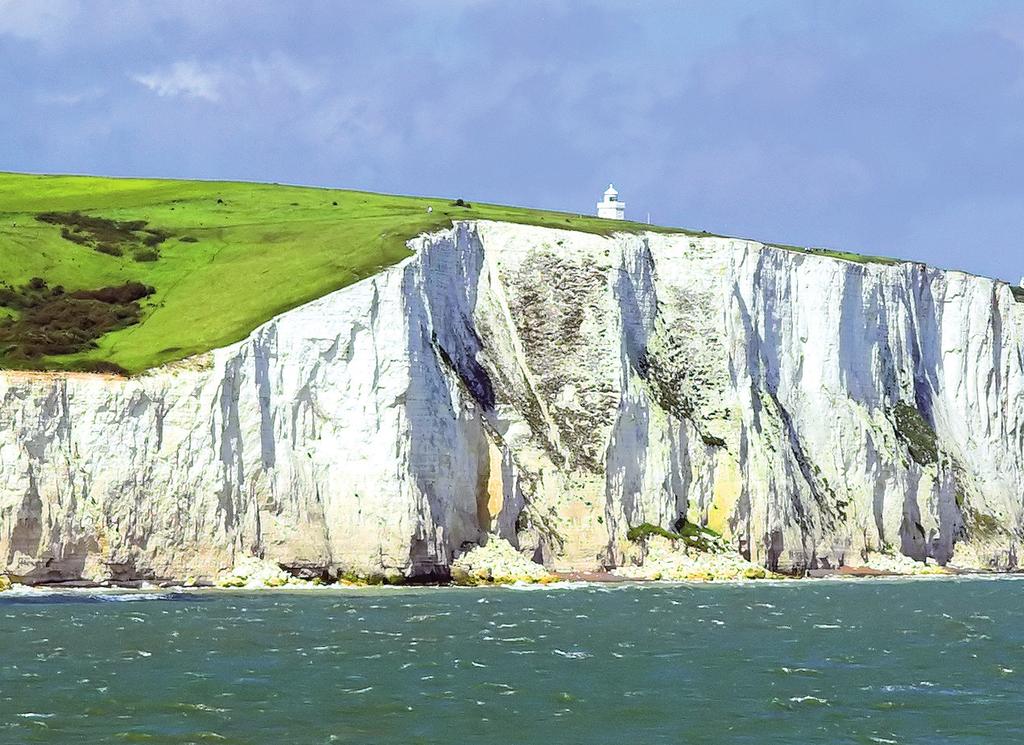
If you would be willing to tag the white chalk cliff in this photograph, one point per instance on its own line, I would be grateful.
(555, 388)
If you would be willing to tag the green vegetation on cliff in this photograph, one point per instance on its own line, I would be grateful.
(691, 534)
(216, 260)
(916, 433)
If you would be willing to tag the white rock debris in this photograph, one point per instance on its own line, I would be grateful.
(663, 559)
(496, 561)
(553, 389)
(253, 573)
(899, 564)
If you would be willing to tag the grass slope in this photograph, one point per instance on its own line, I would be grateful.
(221, 257)
(200, 264)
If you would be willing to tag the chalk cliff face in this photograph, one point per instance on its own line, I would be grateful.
(554, 388)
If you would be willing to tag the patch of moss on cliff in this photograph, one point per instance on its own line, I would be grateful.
(666, 383)
(691, 534)
(646, 530)
(982, 525)
(691, 530)
(916, 433)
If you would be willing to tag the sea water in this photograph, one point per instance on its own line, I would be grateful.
(814, 661)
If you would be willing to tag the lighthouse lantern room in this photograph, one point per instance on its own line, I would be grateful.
(611, 207)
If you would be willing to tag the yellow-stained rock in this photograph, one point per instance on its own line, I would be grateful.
(727, 487)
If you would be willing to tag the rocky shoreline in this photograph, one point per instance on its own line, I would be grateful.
(498, 563)
(561, 580)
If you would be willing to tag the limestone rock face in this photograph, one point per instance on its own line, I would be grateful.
(554, 389)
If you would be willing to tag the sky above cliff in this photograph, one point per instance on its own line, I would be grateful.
(891, 128)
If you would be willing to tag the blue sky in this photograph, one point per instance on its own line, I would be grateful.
(882, 127)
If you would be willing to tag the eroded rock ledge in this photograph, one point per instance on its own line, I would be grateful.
(554, 389)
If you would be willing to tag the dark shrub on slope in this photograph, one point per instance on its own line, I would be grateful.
(52, 321)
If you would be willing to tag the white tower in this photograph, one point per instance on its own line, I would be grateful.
(611, 207)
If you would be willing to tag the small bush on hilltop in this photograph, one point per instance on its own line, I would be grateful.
(110, 237)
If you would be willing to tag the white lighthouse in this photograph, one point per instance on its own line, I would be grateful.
(611, 207)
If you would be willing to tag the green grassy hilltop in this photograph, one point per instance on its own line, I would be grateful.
(125, 274)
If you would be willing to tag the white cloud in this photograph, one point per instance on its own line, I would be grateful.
(244, 81)
(70, 98)
(186, 79)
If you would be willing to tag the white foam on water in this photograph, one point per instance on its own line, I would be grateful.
(111, 595)
(809, 699)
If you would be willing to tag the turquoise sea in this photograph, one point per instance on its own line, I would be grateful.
(819, 661)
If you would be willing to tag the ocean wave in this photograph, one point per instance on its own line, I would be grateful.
(809, 700)
(44, 595)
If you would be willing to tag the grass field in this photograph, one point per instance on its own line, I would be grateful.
(125, 274)
(217, 258)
